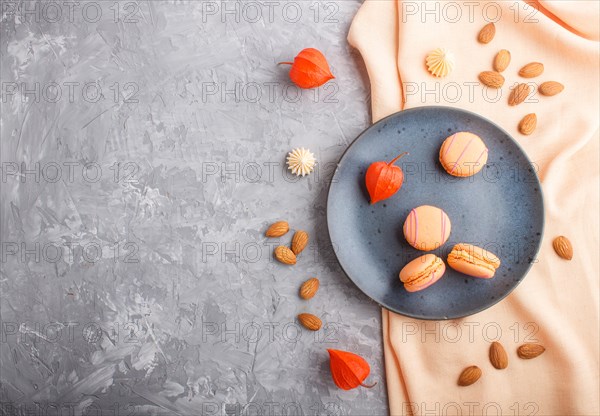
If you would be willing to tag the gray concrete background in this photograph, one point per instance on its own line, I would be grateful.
(143, 148)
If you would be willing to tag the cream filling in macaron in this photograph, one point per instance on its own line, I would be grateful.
(422, 272)
(475, 258)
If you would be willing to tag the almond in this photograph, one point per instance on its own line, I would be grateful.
(278, 229)
(486, 34)
(469, 376)
(284, 255)
(309, 288)
(550, 88)
(299, 241)
(502, 60)
(563, 247)
(532, 70)
(498, 356)
(519, 94)
(491, 79)
(529, 351)
(528, 124)
(309, 321)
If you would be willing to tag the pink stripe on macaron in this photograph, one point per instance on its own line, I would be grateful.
(428, 282)
(443, 226)
(416, 227)
(480, 156)
(450, 144)
(461, 155)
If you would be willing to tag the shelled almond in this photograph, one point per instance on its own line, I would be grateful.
(529, 351)
(469, 376)
(284, 255)
(309, 288)
(491, 79)
(498, 356)
(550, 88)
(310, 321)
(277, 229)
(299, 241)
(519, 94)
(502, 60)
(532, 70)
(528, 124)
(563, 247)
(487, 33)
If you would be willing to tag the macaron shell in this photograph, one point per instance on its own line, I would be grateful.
(478, 253)
(470, 269)
(436, 275)
(422, 272)
(463, 154)
(473, 261)
(427, 227)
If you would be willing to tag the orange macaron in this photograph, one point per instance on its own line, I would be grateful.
(427, 227)
(422, 272)
(463, 154)
(473, 261)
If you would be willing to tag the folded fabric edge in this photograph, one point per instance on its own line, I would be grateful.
(379, 50)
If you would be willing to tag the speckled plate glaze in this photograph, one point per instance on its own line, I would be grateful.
(500, 208)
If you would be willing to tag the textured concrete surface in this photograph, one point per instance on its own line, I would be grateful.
(143, 148)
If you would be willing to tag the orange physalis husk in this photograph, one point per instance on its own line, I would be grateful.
(309, 69)
(384, 179)
(348, 370)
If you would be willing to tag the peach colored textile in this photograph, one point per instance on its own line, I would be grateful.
(558, 302)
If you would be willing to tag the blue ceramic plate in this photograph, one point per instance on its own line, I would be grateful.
(500, 208)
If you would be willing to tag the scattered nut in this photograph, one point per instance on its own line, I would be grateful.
(299, 241)
(551, 88)
(502, 60)
(277, 229)
(284, 255)
(487, 33)
(532, 70)
(310, 321)
(491, 79)
(498, 356)
(528, 124)
(309, 288)
(469, 376)
(563, 247)
(519, 94)
(529, 351)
